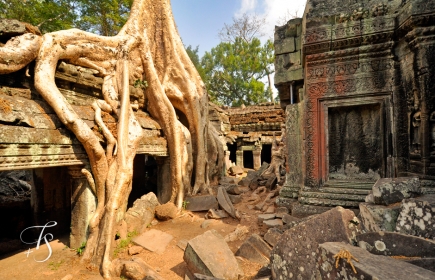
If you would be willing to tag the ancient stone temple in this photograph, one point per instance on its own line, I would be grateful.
(248, 132)
(32, 138)
(357, 81)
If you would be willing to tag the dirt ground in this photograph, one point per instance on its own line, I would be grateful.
(170, 265)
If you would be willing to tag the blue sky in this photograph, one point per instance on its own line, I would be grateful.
(199, 21)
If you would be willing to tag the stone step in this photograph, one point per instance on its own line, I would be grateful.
(350, 185)
(334, 196)
(338, 190)
(328, 202)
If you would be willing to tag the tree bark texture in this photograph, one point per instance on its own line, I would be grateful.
(148, 48)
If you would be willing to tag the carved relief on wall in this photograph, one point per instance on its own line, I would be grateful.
(432, 133)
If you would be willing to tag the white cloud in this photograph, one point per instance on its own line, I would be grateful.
(275, 11)
(247, 6)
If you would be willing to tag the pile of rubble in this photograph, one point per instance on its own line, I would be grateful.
(393, 233)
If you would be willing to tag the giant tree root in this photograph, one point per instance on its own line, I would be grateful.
(148, 48)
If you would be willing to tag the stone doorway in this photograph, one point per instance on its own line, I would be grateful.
(355, 142)
(145, 176)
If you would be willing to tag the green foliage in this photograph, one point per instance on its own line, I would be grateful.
(104, 17)
(140, 84)
(124, 243)
(194, 57)
(184, 205)
(234, 71)
(48, 15)
(81, 249)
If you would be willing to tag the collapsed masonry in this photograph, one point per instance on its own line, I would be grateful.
(248, 133)
(357, 80)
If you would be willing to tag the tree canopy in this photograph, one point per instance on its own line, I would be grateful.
(103, 17)
(234, 71)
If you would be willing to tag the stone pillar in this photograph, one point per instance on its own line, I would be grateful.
(227, 160)
(239, 158)
(257, 158)
(83, 206)
(164, 188)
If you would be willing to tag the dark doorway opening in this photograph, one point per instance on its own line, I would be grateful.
(232, 148)
(266, 153)
(248, 159)
(144, 177)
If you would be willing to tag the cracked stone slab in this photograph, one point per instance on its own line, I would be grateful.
(369, 266)
(387, 191)
(153, 240)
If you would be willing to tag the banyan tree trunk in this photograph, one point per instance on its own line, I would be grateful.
(148, 48)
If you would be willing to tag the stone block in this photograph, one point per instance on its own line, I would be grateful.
(272, 236)
(417, 216)
(225, 202)
(368, 266)
(235, 199)
(134, 250)
(280, 211)
(391, 190)
(396, 244)
(201, 203)
(226, 181)
(236, 170)
(302, 210)
(287, 45)
(216, 214)
(255, 250)
(167, 211)
(153, 240)
(235, 189)
(378, 217)
(294, 253)
(273, 223)
(271, 182)
(141, 214)
(246, 181)
(210, 255)
(264, 217)
(287, 219)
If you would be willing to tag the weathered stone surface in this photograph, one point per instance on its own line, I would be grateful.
(255, 249)
(226, 181)
(225, 202)
(369, 266)
(234, 189)
(273, 223)
(295, 251)
(428, 263)
(216, 214)
(235, 199)
(134, 250)
(141, 214)
(236, 170)
(201, 203)
(391, 190)
(239, 233)
(396, 244)
(417, 216)
(210, 255)
(246, 181)
(137, 269)
(272, 236)
(153, 240)
(280, 211)
(301, 210)
(287, 219)
(167, 211)
(264, 217)
(378, 217)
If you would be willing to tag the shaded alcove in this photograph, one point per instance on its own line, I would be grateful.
(355, 142)
(232, 148)
(266, 153)
(145, 176)
(248, 159)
